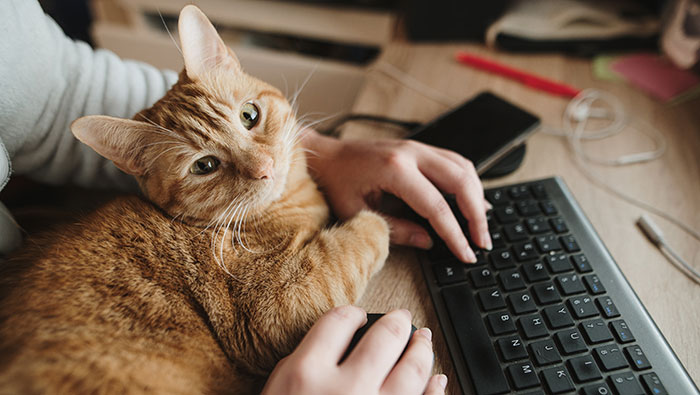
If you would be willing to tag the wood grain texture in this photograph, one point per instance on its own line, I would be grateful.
(671, 183)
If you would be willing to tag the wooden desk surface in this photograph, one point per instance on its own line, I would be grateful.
(671, 183)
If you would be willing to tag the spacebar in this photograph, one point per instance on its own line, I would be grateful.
(478, 352)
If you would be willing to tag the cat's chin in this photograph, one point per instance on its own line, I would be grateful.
(275, 192)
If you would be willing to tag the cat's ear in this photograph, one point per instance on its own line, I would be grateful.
(202, 47)
(119, 140)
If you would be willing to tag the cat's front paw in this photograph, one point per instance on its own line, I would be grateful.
(376, 233)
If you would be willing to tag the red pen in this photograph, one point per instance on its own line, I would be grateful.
(524, 77)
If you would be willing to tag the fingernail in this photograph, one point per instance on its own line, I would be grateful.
(488, 205)
(406, 313)
(469, 256)
(421, 240)
(486, 237)
(442, 380)
(427, 333)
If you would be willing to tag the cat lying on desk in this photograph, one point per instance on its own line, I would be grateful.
(203, 287)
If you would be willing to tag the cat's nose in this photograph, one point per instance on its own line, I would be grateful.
(264, 170)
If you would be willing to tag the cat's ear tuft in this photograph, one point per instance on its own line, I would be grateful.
(119, 140)
(202, 47)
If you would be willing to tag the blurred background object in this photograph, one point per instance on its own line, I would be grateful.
(681, 34)
(320, 48)
(327, 46)
(581, 27)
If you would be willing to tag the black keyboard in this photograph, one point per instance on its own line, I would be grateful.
(547, 311)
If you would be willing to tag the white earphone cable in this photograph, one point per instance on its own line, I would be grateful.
(575, 120)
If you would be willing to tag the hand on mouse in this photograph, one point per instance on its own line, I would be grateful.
(371, 368)
(354, 173)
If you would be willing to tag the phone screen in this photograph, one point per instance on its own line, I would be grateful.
(483, 129)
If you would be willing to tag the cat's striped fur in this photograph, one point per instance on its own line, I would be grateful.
(206, 283)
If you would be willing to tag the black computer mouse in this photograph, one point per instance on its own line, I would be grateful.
(371, 319)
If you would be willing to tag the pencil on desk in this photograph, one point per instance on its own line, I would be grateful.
(524, 77)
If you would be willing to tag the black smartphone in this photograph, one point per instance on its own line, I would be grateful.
(484, 130)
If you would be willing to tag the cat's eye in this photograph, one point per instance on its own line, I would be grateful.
(249, 115)
(204, 165)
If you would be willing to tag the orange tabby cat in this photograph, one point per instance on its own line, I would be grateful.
(203, 287)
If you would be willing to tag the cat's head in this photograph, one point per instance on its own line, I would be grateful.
(218, 141)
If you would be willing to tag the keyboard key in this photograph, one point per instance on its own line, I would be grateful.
(547, 243)
(521, 303)
(569, 243)
(497, 239)
(523, 375)
(607, 307)
(570, 341)
(626, 383)
(558, 316)
(596, 331)
(480, 256)
(558, 263)
(519, 192)
(581, 263)
(584, 369)
(582, 307)
(621, 331)
(491, 220)
(544, 352)
(482, 277)
(515, 232)
(637, 358)
(593, 284)
(546, 293)
(525, 252)
(482, 362)
(501, 323)
(535, 271)
(449, 273)
(506, 215)
(511, 348)
(533, 326)
(528, 208)
(511, 280)
(497, 197)
(537, 225)
(653, 384)
(570, 284)
(538, 191)
(557, 380)
(548, 207)
(597, 389)
(440, 252)
(491, 299)
(610, 357)
(502, 259)
(558, 225)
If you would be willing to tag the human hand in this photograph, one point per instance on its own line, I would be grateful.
(371, 368)
(355, 173)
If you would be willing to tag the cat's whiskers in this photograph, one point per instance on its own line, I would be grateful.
(174, 218)
(231, 218)
(215, 236)
(241, 225)
(303, 85)
(165, 25)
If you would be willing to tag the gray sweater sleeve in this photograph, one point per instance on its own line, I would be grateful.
(48, 80)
